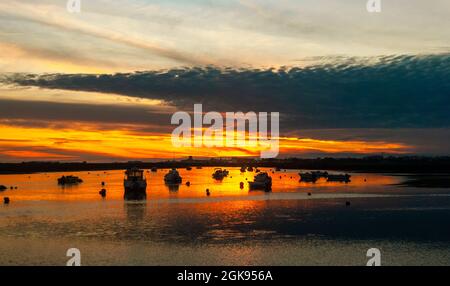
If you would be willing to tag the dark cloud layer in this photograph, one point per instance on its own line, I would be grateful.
(384, 92)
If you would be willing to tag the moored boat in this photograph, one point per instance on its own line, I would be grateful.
(308, 177)
(320, 174)
(262, 181)
(219, 173)
(69, 180)
(173, 177)
(345, 178)
(135, 184)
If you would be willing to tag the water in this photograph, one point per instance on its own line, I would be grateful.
(233, 226)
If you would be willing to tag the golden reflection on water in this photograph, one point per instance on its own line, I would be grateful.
(43, 186)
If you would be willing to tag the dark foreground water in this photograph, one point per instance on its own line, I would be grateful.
(183, 226)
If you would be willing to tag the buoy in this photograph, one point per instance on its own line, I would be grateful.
(207, 192)
(6, 200)
(103, 183)
(188, 183)
(102, 193)
(347, 203)
(241, 185)
(309, 194)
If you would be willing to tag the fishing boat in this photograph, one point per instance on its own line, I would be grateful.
(135, 184)
(320, 174)
(219, 174)
(173, 177)
(69, 180)
(345, 178)
(262, 181)
(308, 177)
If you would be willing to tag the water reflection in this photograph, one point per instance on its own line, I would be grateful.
(136, 211)
(44, 187)
(173, 187)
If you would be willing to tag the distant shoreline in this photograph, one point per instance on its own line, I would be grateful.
(374, 164)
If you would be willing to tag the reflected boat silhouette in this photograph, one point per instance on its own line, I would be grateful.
(136, 211)
(173, 187)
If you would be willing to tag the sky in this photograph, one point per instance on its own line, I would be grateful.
(102, 84)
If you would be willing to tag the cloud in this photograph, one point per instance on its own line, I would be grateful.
(377, 92)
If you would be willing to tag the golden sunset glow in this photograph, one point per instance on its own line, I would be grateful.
(85, 140)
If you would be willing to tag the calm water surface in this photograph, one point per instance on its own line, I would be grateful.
(182, 226)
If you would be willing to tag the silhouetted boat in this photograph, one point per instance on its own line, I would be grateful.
(173, 177)
(345, 178)
(188, 168)
(2, 188)
(308, 177)
(262, 181)
(320, 174)
(219, 174)
(250, 169)
(135, 184)
(69, 180)
(154, 169)
(243, 169)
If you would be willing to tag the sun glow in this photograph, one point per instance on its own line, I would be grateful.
(91, 143)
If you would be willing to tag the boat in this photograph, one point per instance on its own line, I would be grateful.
(345, 178)
(154, 169)
(135, 184)
(2, 188)
(262, 181)
(173, 177)
(69, 180)
(257, 170)
(243, 169)
(250, 169)
(188, 168)
(320, 174)
(198, 167)
(308, 177)
(219, 173)
(277, 169)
